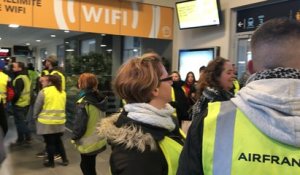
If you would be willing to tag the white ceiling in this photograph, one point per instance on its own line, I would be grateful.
(20, 36)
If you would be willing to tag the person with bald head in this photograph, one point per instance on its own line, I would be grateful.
(257, 132)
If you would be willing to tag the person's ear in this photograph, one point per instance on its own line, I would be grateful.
(250, 67)
(155, 92)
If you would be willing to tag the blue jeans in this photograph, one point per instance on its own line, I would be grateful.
(20, 115)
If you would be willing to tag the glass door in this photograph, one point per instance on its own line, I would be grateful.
(243, 54)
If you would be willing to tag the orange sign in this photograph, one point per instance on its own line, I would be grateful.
(14, 12)
(106, 16)
(57, 14)
(138, 20)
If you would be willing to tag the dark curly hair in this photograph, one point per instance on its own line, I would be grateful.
(211, 75)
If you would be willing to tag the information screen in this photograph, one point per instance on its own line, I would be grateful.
(192, 60)
(198, 13)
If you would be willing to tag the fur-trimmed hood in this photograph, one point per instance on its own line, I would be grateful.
(129, 135)
(140, 126)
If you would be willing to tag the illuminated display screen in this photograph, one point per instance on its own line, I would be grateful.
(192, 60)
(198, 13)
(5, 52)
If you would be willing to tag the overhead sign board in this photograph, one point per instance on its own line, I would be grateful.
(251, 19)
(106, 16)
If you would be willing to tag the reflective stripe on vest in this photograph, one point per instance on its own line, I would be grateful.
(209, 138)
(171, 150)
(24, 99)
(53, 111)
(3, 86)
(62, 78)
(233, 145)
(236, 86)
(173, 99)
(90, 141)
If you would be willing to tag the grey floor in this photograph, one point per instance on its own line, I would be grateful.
(21, 160)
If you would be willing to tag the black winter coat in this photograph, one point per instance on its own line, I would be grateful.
(133, 154)
(181, 103)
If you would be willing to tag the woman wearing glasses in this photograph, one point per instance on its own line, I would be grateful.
(145, 138)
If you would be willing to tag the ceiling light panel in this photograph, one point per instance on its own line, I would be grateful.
(13, 25)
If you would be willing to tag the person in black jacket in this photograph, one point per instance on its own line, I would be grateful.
(179, 101)
(215, 85)
(145, 138)
(21, 102)
(90, 109)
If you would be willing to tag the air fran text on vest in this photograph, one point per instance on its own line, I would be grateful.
(266, 158)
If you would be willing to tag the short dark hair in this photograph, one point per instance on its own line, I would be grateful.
(30, 66)
(21, 65)
(274, 43)
(202, 68)
(275, 30)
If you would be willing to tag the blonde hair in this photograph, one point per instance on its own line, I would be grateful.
(137, 78)
(88, 81)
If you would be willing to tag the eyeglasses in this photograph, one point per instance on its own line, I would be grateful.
(166, 79)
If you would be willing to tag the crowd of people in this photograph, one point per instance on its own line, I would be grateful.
(42, 99)
(252, 130)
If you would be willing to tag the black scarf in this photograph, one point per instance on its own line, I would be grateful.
(278, 72)
(209, 95)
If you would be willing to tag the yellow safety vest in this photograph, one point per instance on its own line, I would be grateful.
(171, 150)
(62, 77)
(33, 75)
(236, 86)
(233, 145)
(45, 72)
(3, 87)
(24, 99)
(90, 141)
(173, 99)
(53, 111)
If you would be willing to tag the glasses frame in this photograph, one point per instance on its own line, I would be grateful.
(169, 78)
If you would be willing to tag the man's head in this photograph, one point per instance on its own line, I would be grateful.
(30, 66)
(202, 69)
(18, 66)
(276, 44)
(51, 62)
